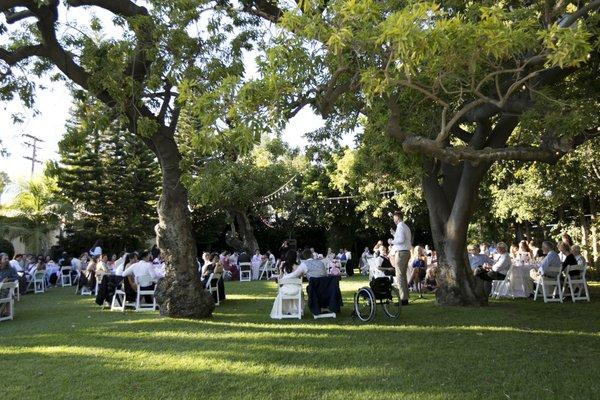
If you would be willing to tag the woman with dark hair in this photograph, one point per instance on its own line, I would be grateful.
(289, 263)
(286, 306)
(566, 239)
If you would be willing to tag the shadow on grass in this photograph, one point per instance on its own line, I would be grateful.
(431, 352)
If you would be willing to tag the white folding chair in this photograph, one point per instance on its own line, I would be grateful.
(39, 282)
(119, 300)
(65, 280)
(296, 298)
(212, 285)
(245, 271)
(273, 269)
(550, 280)
(264, 269)
(7, 298)
(139, 306)
(85, 289)
(502, 288)
(343, 267)
(578, 281)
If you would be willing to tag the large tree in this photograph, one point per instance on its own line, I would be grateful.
(451, 81)
(110, 178)
(236, 183)
(137, 68)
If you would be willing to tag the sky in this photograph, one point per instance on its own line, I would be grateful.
(53, 104)
(48, 124)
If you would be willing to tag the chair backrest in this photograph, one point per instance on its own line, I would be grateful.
(552, 270)
(290, 281)
(581, 268)
(245, 265)
(11, 286)
(142, 281)
(39, 275)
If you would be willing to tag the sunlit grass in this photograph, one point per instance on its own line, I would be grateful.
(62, 346)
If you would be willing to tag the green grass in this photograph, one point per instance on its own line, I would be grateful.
(62, 346)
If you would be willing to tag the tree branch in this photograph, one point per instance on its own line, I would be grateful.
(265, 9)
(22, 53)
(581, 13)
(16, 16)
(123, 8)
(549, 153)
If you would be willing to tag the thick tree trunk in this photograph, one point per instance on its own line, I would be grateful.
(449, 218)
(179, 294)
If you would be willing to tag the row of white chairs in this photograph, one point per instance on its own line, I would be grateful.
(119, 301)
(268, 270)
(554, 286)
(550, 286)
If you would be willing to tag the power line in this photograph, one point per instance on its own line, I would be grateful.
(34, 147)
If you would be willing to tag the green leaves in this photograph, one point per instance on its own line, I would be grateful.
(567, 47)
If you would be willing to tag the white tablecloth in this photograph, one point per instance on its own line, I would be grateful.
(521, 284)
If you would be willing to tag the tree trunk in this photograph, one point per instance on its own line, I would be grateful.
(245, 231)
(450, 212)
(179, 294)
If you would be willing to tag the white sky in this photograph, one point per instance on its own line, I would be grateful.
(49, 125)
(53, 105)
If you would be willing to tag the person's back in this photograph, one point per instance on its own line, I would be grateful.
(315, 268)
(550, 264)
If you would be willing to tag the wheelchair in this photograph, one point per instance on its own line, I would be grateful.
(379, 290)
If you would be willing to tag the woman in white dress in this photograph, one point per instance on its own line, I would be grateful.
(283, 307)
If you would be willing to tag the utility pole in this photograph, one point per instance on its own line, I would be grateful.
(34, 146)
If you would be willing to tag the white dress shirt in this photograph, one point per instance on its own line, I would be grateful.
(76, 264)
(15, 264)
(551, 261)
(502, 265)
(143, 271)
(402, 238)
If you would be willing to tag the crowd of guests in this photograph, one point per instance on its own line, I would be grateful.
(493, 262)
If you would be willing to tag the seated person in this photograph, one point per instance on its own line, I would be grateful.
(286, 306)
(88, 277)
(569, 258)
(500, 268)
(144, 272)
(477, 259)
(430, 278)
(309, 267)
(418, 266)
(210, 264)
(550, 261)
(384, 265)
(576, 250)
(7, 274)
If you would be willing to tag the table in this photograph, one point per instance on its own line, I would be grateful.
(520, 284)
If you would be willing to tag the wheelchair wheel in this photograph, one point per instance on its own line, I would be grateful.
(365, 304)
(391, 307)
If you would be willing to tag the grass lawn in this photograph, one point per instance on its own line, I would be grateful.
(62, 346)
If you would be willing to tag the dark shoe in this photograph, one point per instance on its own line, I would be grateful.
(404, 302)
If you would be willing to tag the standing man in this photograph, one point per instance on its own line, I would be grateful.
(400, 248)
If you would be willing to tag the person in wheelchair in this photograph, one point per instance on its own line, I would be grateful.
(384, 266)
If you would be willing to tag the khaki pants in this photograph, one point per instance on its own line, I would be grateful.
(401, 259)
